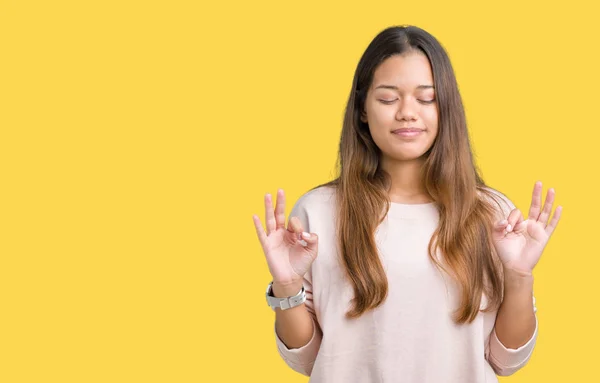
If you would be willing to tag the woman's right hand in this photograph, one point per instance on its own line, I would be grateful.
(287, 257)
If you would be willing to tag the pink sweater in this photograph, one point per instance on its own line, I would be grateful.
(411, 337)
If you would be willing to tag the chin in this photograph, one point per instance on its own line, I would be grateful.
(408, 156)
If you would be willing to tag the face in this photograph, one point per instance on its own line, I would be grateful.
(401, 109)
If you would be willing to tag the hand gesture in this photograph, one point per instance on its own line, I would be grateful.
(288, 258)
(520, 242)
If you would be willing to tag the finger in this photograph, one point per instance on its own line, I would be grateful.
(520, 220)
(312, 241)
(545, 215)
(554, 222)
(269, 214)
(280, 210)
(513, 218)
(260, 232)
(520, 226)
(536, 202)
(499, 227)
(295, 226)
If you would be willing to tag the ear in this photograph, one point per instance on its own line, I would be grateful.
(363, 116)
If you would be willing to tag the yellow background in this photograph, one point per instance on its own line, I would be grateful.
(139, 137)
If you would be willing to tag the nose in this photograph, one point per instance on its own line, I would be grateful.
(406, 111)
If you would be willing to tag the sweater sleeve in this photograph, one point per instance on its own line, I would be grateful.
(302, 359)
(506, 361)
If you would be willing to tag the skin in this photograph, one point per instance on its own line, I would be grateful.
(288, 261)
(402, 95)
(520, 243)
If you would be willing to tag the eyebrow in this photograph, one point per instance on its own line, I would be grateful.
(396, 88)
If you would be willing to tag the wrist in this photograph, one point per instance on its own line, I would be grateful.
(286, 290)
(516, 281)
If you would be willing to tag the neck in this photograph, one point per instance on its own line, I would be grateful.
(407, 181)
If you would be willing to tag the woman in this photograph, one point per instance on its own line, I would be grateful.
(423, 274)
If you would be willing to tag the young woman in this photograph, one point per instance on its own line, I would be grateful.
(423, 274)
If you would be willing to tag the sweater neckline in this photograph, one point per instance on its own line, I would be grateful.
(413, 210)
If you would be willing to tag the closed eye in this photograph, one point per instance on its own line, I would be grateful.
(388, 102)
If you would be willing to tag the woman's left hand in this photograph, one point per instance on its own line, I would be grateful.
(520, 242)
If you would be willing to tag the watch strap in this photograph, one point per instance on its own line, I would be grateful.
(287, 302)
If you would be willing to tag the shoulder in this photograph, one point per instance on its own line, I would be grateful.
(315, 207)
(318, 198)
(497, 200)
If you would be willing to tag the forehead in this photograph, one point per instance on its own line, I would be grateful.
(404, 71)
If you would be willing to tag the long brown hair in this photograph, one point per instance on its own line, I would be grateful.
(465, 203)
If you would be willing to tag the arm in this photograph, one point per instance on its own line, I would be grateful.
(290, 263)
(293, 326)
(516, 321)
(520, 243)
(297, 333)
(515, 333)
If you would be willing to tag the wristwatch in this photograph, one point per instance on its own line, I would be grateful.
(284, 303)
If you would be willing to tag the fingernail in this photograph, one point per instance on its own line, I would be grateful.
(508, 228)
(305, 234)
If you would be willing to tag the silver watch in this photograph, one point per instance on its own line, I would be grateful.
(284, 303)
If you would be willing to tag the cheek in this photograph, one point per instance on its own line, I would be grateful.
(430, 117)
(381, 116)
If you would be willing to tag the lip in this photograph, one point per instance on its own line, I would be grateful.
(407, 132)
